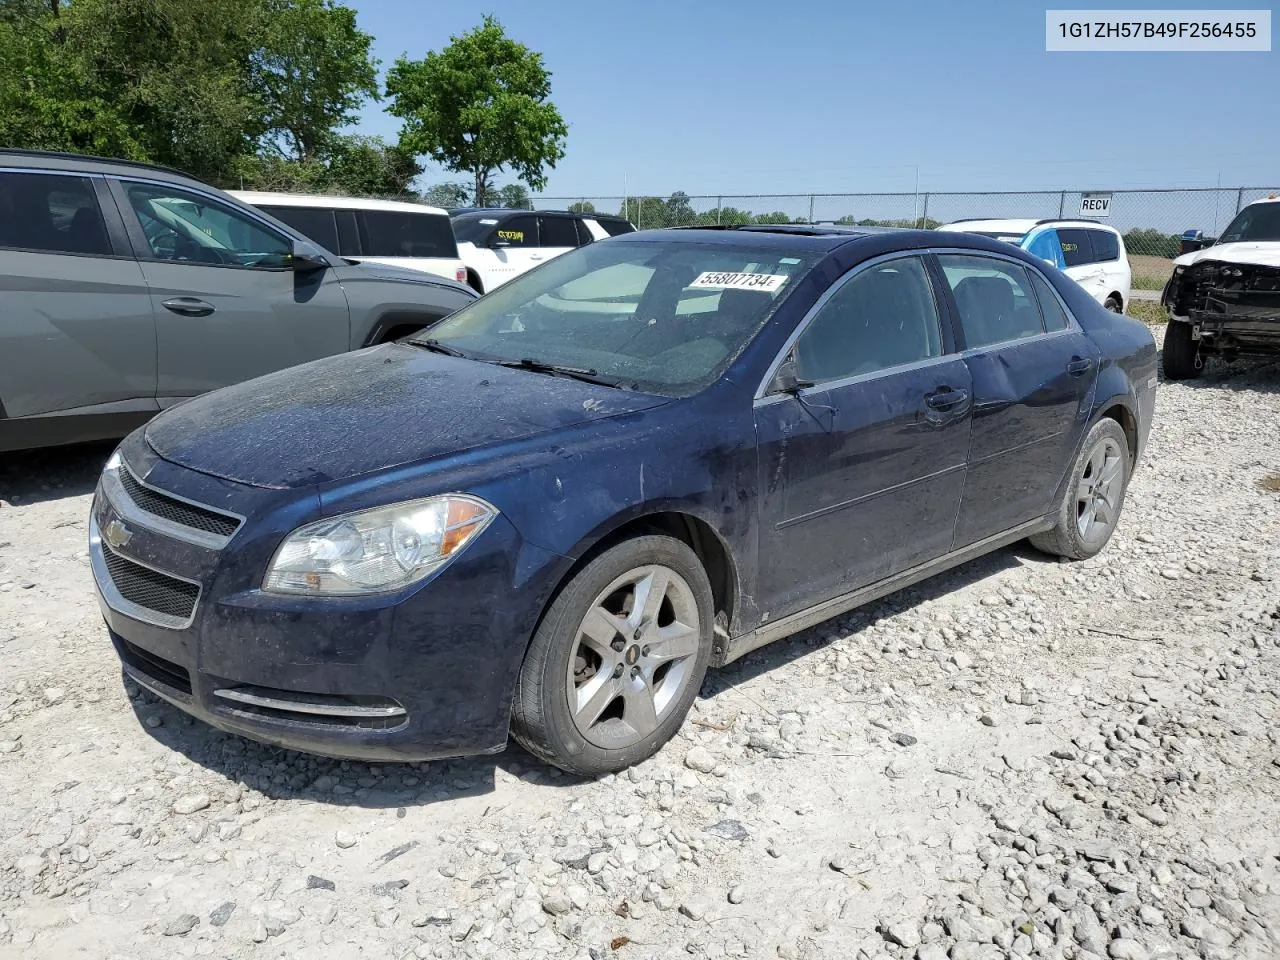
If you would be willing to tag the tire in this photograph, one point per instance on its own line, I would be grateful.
(1180, 352)
(580, 701)
(1093, 495)
(1113, 304)
(473, 281)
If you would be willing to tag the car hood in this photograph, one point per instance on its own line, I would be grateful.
(1263, 253)
(386, 271)
(356, 413)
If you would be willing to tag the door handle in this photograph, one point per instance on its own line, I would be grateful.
(1079, 366)
(188, 306)
(945, 398)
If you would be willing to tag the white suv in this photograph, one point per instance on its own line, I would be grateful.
(1091, 254)
(410, 235)
(498, 245)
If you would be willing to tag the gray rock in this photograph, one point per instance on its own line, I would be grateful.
(191, 803)
(903, 739)
(931, 951)
(576, 855)
(557, 903)
(693, 911)
(728, 830)
(700, 760)
(220, 914)
(903, 934)
(320, 883)
(1124, 948)
(737, 894)
(344, 840)
(181, 926)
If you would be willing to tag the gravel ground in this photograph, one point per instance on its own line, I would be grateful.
(1020, 758)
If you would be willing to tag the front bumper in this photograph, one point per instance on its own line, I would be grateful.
(414, 675)
(1237, 314)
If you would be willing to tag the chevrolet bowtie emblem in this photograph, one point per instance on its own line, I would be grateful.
(116, 534)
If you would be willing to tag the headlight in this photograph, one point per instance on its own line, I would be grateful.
(376, 551)
(1179, 270)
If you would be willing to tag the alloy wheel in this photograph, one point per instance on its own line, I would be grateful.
(1099, 490)
(633, 656)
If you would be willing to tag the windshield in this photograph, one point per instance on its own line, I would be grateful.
(1258, 222)
(473, 227)
(657, 316)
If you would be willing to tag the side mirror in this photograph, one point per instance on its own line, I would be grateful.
(305, 257)
(786, 380)
(1192, 240)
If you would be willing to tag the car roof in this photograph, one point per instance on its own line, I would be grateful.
(808, 237)
(1021, 225)
(53, 160)
(261, 197)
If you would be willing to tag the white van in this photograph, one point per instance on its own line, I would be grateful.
(401, 234)
(1092, 254)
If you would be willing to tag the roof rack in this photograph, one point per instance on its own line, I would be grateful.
(94, 158)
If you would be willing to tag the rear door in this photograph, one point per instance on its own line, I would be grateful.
(1082, 264)
(861, 471)
(1116, 276)
(1033, 371)
(228, 304)
(76, 327)
(556, 235)
(416, 241)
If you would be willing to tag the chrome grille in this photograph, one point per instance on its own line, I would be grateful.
(177, 511)
(149, 588)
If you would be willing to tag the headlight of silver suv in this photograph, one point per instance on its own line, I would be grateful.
(379, 550)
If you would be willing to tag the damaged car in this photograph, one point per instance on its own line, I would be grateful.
(1224, 299)
(549, 514)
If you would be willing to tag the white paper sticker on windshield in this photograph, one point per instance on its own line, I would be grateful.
(713, 280)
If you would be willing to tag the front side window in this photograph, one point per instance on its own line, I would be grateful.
(882, 317)
(189, 228)
(515, 232)
(51, 214)
(993, 297)
(1077, 250)
(1047, 247)
(664, 317)
(1258, 222)
(395, 233)
(557, 232)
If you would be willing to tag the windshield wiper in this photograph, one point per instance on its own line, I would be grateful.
(585, 374)
(435, 346)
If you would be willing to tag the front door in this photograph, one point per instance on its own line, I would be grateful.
(1033, 372)
(862, 467)
(228, 304)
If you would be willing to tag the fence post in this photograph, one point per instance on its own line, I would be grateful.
(639, 211)
(1062, 203)
(1239, 199)
(811, 208)
(719, 207)
(924, 213)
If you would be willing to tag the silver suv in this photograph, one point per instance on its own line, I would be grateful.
(126, 288)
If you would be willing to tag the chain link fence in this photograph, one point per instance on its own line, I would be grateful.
(1151, 220)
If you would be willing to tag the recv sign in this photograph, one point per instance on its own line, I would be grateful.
(1095, 204)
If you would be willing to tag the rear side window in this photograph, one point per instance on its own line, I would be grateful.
(1106, 246)
(1076, 247)
(994, 299)
(557, 232)
(614, 227)
(52, 214)
(1055, 318)
(395, 233)
(315, 224)
(584, 235)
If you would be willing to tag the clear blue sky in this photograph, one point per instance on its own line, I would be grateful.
(741, 96)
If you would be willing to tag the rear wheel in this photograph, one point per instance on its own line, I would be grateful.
(1113, 304)
(1180, 359)
(1094, 495)
(618, 659)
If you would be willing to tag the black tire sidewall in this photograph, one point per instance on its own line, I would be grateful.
(548, 728)
(1075, 545)
(1179, 352)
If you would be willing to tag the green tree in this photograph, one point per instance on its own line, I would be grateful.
(776, 217)
(582, 206)
(368, 166)
(480, 106)
(1152, 243)
(447, 195)
(515, 196)
(311, 69)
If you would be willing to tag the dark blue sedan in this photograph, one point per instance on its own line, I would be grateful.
(549, 514)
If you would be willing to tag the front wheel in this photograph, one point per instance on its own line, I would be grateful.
(1180, 359)
(1114, 305)
(1091, 503)
(618, 658)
